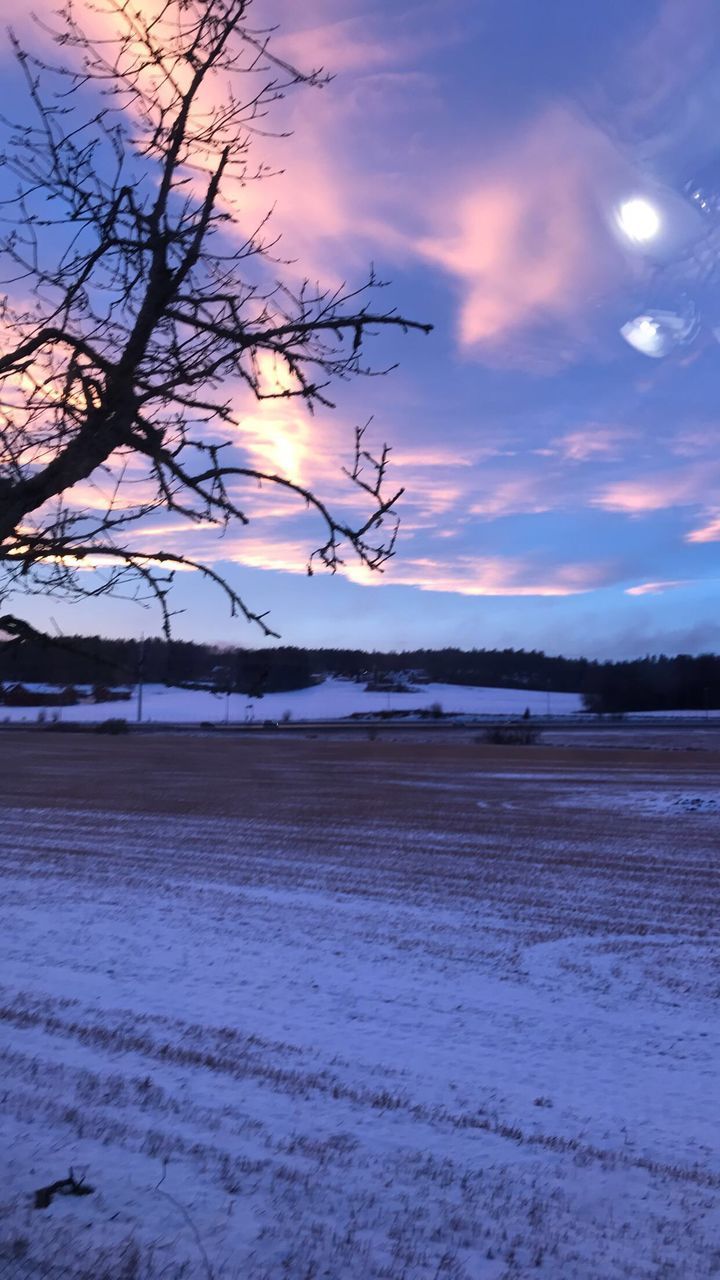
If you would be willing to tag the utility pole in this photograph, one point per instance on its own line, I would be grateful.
(140, 675)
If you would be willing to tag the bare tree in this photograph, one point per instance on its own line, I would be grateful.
(139, 303)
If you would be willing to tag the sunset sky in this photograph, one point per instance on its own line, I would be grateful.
(563, 488)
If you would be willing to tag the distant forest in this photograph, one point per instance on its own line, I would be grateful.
(645, 684)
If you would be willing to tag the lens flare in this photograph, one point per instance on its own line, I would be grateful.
(659, 332)
(638, 220)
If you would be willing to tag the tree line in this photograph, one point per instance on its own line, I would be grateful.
(657, 683)
(681, 682)
(96, 660)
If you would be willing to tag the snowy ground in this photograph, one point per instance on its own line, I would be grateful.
(327, 701)
(361, 1011)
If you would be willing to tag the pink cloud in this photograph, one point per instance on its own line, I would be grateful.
(709, 532)
(339, 46)
(156, 532)
(694, 442)
(457, 495)
(106, 560)
(289, 555)
(654, 588)
(529, 493)
(470, 575)
(461, 573)
(434, 456)
(278, 433)
(592, 443)
(519, 232)
(516, 233)
(658, 492)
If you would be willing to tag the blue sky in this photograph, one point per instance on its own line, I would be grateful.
(563, 488)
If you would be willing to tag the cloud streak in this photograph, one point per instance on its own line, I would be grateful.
(472, 575)
(661, 491)
(655, 588)
(709, 532)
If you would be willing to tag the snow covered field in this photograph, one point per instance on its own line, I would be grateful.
(328, 701)
(361, 1011)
